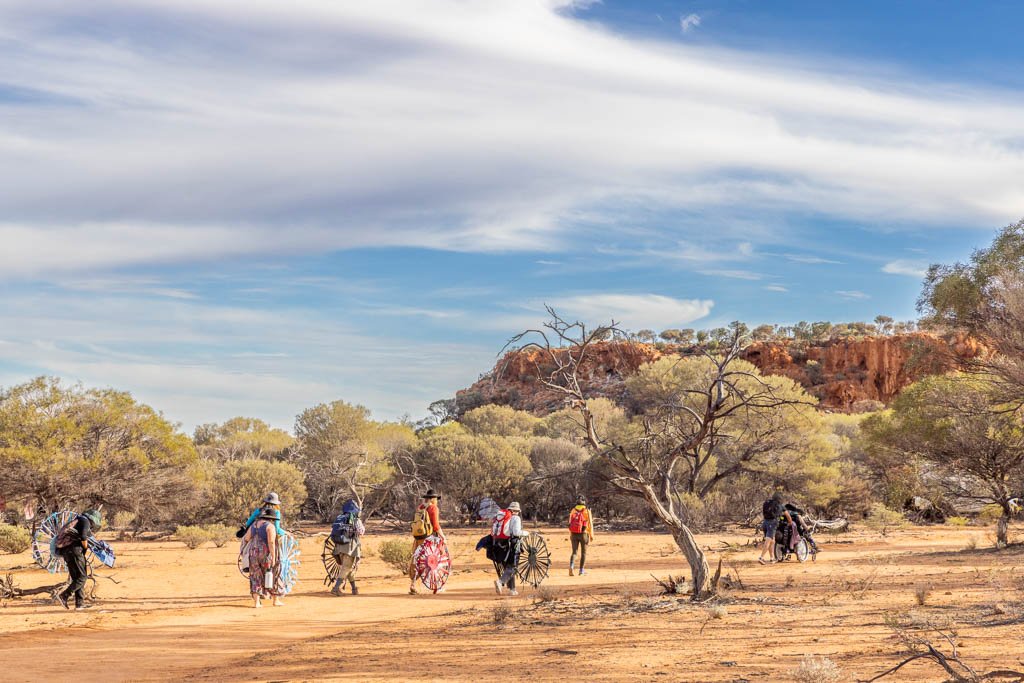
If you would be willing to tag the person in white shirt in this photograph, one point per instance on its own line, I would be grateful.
(515, 532)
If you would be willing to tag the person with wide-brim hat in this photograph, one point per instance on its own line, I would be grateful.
(426, 521)
(261, 537)
(508, 545)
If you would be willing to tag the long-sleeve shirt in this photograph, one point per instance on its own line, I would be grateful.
(434, 517)
(515, 527)
(256, 514)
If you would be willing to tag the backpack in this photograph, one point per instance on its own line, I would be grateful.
(578, 521)
(343, 529)
(421, 526)
(500, 525)
(68, 535)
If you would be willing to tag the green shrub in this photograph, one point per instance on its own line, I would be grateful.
(220, 534)
(957, 521)
(192, 536)
(882, 519)
(396, 553)
(13, 539)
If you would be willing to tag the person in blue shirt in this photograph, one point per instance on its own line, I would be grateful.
(271, 501)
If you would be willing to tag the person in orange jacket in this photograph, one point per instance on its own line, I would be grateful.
(425, 522)
(581, 533)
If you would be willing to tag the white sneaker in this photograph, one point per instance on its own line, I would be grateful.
(498, 588)
(513, 592)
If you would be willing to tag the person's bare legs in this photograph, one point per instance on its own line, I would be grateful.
(256, 601)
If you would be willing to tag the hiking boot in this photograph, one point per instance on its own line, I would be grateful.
(513, 592)
(63, 600)
(412, 589)
(355, 591)
(582, 572)
(79, 608)
(572, 572)
(498, 588)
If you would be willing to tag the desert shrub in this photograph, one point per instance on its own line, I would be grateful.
(717, 611)
(972, 543)
(817, 670)
(236, 487)
(921, 593)
(192, 536)
(547, 594)
(498, 420)
(501, 613)
(957, 521)
(14, 539)
(123, 519)
(883, 520)
(396, 553)
(990, 513)
(220, 534)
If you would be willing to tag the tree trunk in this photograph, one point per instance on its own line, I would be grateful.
(1002, 527)
(694, 557)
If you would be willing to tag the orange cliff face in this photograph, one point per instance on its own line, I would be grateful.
(839, 372)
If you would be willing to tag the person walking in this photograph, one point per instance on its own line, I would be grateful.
(506, 531)
(426, 521)
(71, 544)
(773, 511)
(262, 548)
(347, 534)
(581, 533)
(271, 500)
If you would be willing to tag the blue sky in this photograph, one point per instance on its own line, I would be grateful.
(232, 211)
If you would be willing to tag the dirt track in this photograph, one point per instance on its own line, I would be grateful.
(180, 614)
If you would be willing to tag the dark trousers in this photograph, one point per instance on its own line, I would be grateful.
(579, 546)
(74, 557)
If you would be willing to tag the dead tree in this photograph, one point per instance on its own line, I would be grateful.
(647, 467)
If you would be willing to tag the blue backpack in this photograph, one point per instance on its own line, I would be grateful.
(344, 528)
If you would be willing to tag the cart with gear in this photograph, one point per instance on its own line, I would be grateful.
(534, 560)
(432, 563)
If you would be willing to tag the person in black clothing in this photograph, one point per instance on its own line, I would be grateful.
(773, 511)
(72, 543)
(798, 518)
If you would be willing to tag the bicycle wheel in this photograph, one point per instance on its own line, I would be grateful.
(330, 561)
(801, 551)
(780, 552)
(534, 560)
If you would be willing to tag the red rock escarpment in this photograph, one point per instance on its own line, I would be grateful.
(840, 373)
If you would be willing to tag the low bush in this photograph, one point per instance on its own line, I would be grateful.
(192, 536)
(396, 553)
(921, 593)
(501, 613)
(957, 521)
(14, 539)
(817, 670)
(220, 534)
(883, 520)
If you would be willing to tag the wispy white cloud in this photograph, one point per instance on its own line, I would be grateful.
(689, 22)
(906, 267)
(775, 288)
(809, 258)
(732, 273)
(634, 311)
(241, 140)
(852, 294)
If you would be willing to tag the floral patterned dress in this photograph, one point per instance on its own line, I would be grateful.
(259, 560)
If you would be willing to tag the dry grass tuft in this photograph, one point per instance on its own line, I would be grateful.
(921, 593)
(502, 613)
(817, 670)
(547, 594)
(717, 611)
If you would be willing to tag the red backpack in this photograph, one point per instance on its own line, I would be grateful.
(500, 525)
(578, 521)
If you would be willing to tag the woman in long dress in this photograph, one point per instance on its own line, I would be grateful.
(262, 548)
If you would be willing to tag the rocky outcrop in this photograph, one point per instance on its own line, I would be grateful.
(843, 374)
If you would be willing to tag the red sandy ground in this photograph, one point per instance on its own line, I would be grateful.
(181, 614)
